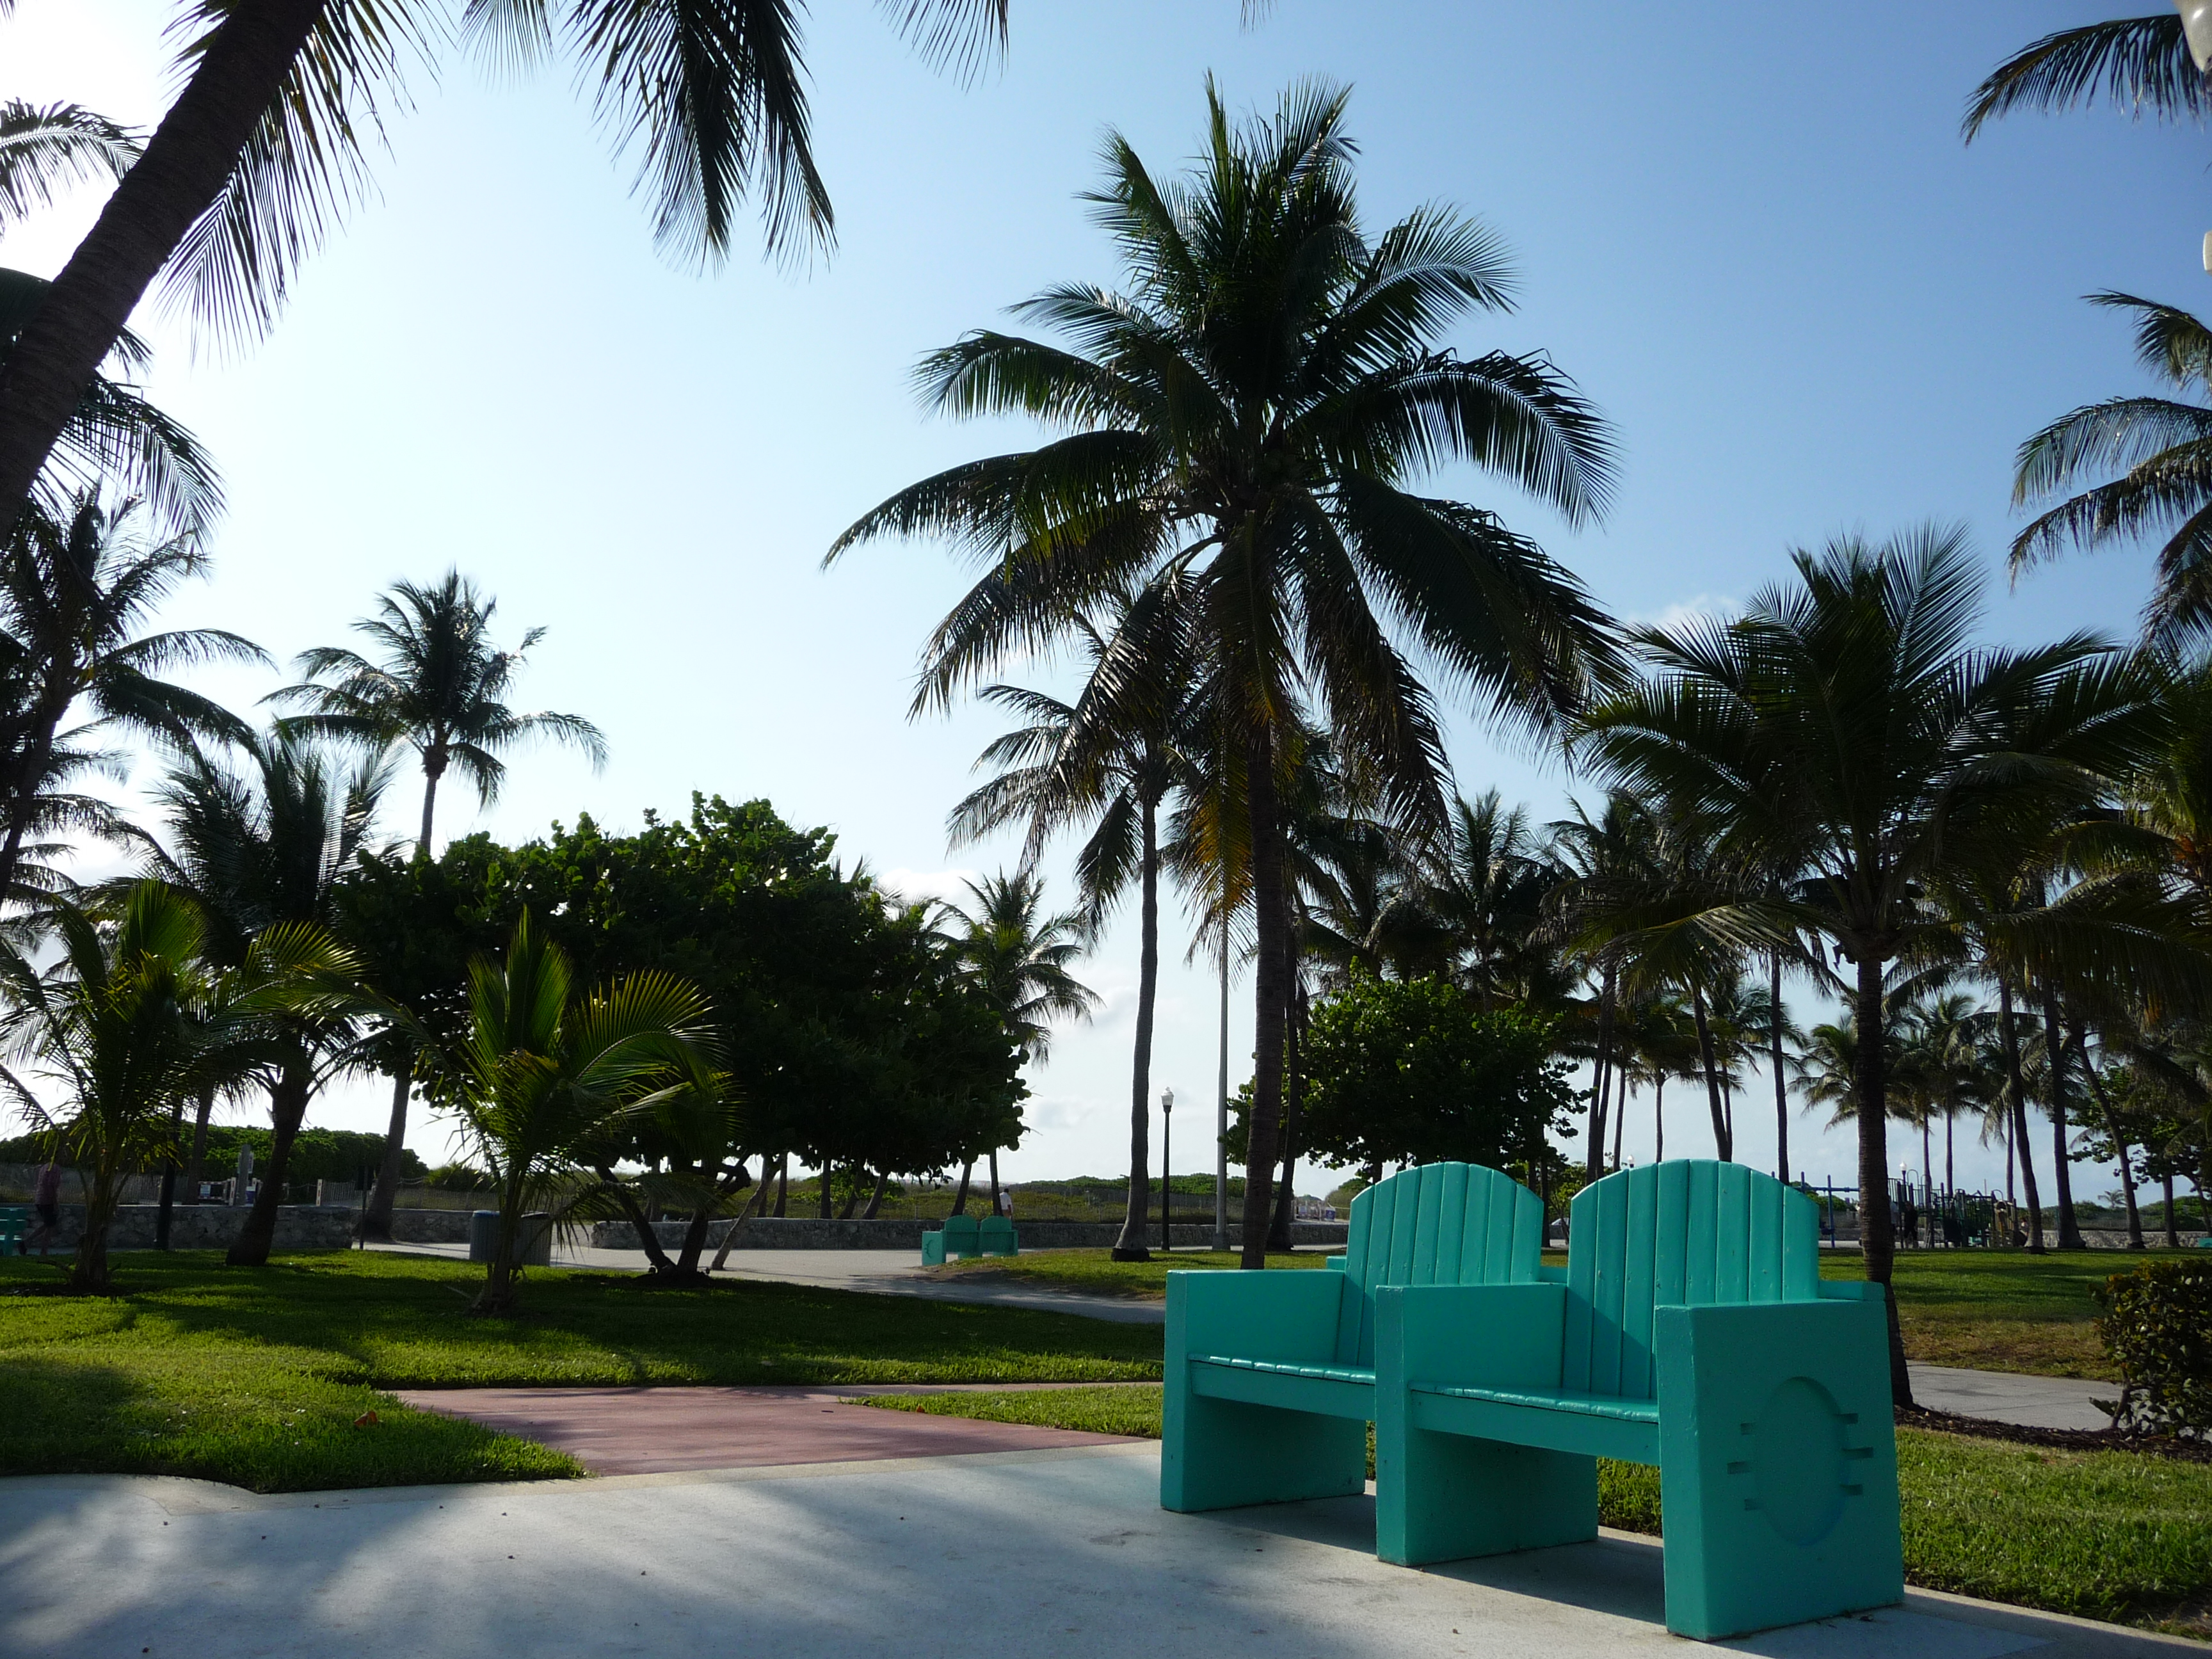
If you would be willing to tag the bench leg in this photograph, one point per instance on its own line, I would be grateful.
(1223, 1454)
(1777, 1465)
(1446, 1497)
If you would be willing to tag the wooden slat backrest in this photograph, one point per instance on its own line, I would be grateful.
(1442, 1224)
(1689, 1232)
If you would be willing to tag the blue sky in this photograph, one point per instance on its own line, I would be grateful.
(1749, 231)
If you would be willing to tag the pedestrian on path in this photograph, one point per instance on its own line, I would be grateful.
(46, 1204)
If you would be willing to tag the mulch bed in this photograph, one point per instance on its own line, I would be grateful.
(1983, 1428)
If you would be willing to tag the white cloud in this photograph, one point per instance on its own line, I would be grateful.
(1706, 607)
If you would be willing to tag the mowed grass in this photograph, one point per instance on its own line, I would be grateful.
(1996, 1310)
(256, 1375)
(2104, 1535)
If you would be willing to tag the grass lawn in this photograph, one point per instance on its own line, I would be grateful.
(2103, 1534)
(255, 1376)
(1988, 1309)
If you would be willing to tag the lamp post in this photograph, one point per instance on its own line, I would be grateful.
(1167, 1195)
(2196, 30)
(1221, 1114)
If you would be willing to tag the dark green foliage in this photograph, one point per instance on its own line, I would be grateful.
(1412, 1069)
(2156, 1324)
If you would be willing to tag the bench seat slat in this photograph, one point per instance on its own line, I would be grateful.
(1325, 1390)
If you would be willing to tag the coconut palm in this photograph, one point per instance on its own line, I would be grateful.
(1483, 885)
(544, 1070)
(2137, 64)
(1110, 759)
(262, 846)
(74, 593)
(2147, 462)
(437, 685)
(1844, 726)
(1250, 410)
(1602, 860)
(260, 153)
(107, 1026)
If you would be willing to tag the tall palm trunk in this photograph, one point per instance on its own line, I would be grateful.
(102, 1194)
(1877, 1231)
(1271, 979)
(59, 691)
(876, 1198)
(287, 1107)
(2112, 1123)
(959, 1198)
(1594, 1160)
(1658, 1121)
(2016, 1088)
(2166, 1194)
(1723, 1139)
(1130, 1247)
(1619, 1114)
(376, 1215)
(187, 163)
(2054, 1048)
(1781, 1080)
(202, 1108)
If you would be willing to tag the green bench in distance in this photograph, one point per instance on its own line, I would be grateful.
(1693, 1331)
(15, 1227)
(963, 1235)
(1271, 1376)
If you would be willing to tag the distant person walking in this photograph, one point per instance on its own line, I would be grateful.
(46, 1204)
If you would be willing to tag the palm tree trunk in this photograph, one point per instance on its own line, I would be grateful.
(960, 1198)
(656, 1259)
(429, 803)
(1271, 980)
(1723, 1142)
(852, 1193)
(876, 1198)
(287, 1107)
(782, 1183)
(2017, 1087)
(88, 1270)
(2054, 1048)
(1927, 1178)
(1130, 1247)
(1620, 1112)
(2119, 1139)
(1594, 1160)
(56, 695)
(376, 1218)
(203, 1107)
(169, 1205)
(187, 163)
(995, 1187)
(1877, 1234)
(502, 1273)
(1780, 1079)
(2166, 1193)
(1658, 1122)
(821, 1190)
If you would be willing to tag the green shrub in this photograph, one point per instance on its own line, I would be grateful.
(2156, 1325)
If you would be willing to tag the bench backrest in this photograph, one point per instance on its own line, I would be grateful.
(1690, 1232)
(959, 1226)
(996, 1226)
(1442, 1224)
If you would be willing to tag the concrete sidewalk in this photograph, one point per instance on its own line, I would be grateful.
(1026, 1555)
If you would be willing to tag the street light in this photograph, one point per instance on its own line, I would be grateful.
(2196, 26)
(1167, 1196)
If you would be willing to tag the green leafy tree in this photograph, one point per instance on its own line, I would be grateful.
(1251, 408)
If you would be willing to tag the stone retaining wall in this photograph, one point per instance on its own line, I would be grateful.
(812, 1233)
(213, 1227)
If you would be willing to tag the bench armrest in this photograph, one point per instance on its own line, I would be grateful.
(1849, 1290)
(1503, 1336)
(1288, 1314)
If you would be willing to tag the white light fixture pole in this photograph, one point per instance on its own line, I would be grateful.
(2196, 26)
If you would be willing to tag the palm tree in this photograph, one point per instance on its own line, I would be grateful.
(1020, 958)
(1843, 726)
(1110, 759)
(260, 154)
(1249, 410)
(1483, 885)
(1602, 860)
(438, 685)
(263, 848)
(2137, 63)
(544, 1069)
(109, 1024)
(74, 595)
(2157, 446)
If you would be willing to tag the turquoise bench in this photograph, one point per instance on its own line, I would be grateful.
(1693, 1331)
(1270, 1376)
(15, 1227)
(963, 1235)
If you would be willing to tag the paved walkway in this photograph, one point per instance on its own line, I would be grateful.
(654, 1431)
(2042, 1403)
(1059, 1554)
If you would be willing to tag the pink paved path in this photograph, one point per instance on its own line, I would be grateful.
(650, 1430)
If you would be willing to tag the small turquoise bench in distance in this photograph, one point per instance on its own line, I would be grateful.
(15, 1227)
(1271, 1376)
(963, 1235)
(1693, 1331)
